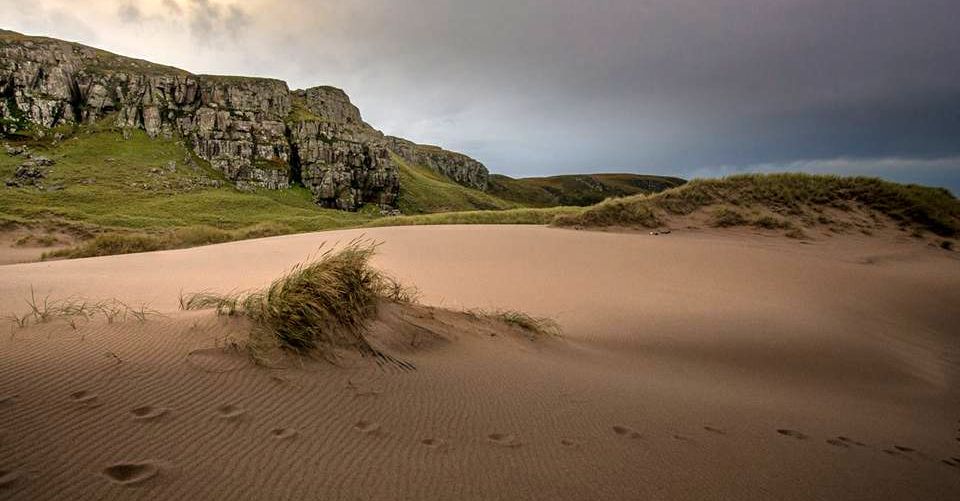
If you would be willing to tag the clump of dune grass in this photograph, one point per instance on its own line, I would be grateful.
(531, 325)
(789, 195)
(321, 306)
(725, 217)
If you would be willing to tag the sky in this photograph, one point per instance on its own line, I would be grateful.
(691, 88)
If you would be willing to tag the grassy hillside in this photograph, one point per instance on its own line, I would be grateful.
(423, 191)
(789, 202)
(151, 193)
(576, 189)
(113, 191)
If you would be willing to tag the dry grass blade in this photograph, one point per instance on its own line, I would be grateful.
(533, 325)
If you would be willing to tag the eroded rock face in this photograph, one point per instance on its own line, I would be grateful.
(341, 159)
(254, 130)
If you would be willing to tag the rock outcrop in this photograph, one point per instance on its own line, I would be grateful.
(255, 131)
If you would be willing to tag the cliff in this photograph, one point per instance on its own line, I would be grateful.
(256, 131)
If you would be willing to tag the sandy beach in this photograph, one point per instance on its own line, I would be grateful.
(694, 365)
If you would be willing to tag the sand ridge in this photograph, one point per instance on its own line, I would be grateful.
(691, 366)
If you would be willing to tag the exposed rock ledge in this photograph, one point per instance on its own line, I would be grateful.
(254, 130)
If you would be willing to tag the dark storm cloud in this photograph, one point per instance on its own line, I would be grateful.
(681, 87)
(671, 86)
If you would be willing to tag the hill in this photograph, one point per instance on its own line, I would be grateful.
(255, 131)
(791, 203)
(575, 189)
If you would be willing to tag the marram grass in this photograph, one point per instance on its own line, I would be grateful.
(322, 306)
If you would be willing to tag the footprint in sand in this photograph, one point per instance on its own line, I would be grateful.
(434, 443)
(902, 448)
(148, 413)
(625, 431)
(131, 473)
(368, 427)
(850, 441)
(7, 399)
(894, 452)
(566, 442)
(8, 477)
(792, 433)
(681, 438)
(952, 462)
(283, 433)
(711, 429)
(85, 398)
(838, 443)
(503, 439)
(230, 412)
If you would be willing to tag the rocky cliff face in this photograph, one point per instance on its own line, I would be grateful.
(254, 130)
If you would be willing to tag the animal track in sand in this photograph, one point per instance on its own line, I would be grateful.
(711, 429)
(148, 413)
(902, 448)
(626, 431)
(838, 443)
(366, 426)
(503, 439)
(131, 473)
(230, 412)
(792, 433)
(8, 477)
(5, 399)
(283, 433)
(566, 442)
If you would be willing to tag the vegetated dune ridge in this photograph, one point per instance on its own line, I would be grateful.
(693, 365)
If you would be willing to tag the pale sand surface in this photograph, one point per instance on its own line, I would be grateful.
(682, 357)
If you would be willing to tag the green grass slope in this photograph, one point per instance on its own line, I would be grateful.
(576, 189)
(789, 202)
(424, 191)
(141, 193)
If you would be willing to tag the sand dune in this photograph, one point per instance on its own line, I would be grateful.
(692, 366)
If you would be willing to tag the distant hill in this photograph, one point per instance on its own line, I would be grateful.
(575, 189)
(793, 203)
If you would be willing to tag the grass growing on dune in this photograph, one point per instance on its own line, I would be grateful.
(325, 306)
(44, 309)
(542, 326)
(791, 196)
(321, 306)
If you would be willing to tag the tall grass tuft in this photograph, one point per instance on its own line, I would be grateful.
(321, 306)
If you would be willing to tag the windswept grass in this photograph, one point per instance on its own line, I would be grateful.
(324, 307)
(321, 307)
(790, 196)
(44, 309)
(535, 326)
